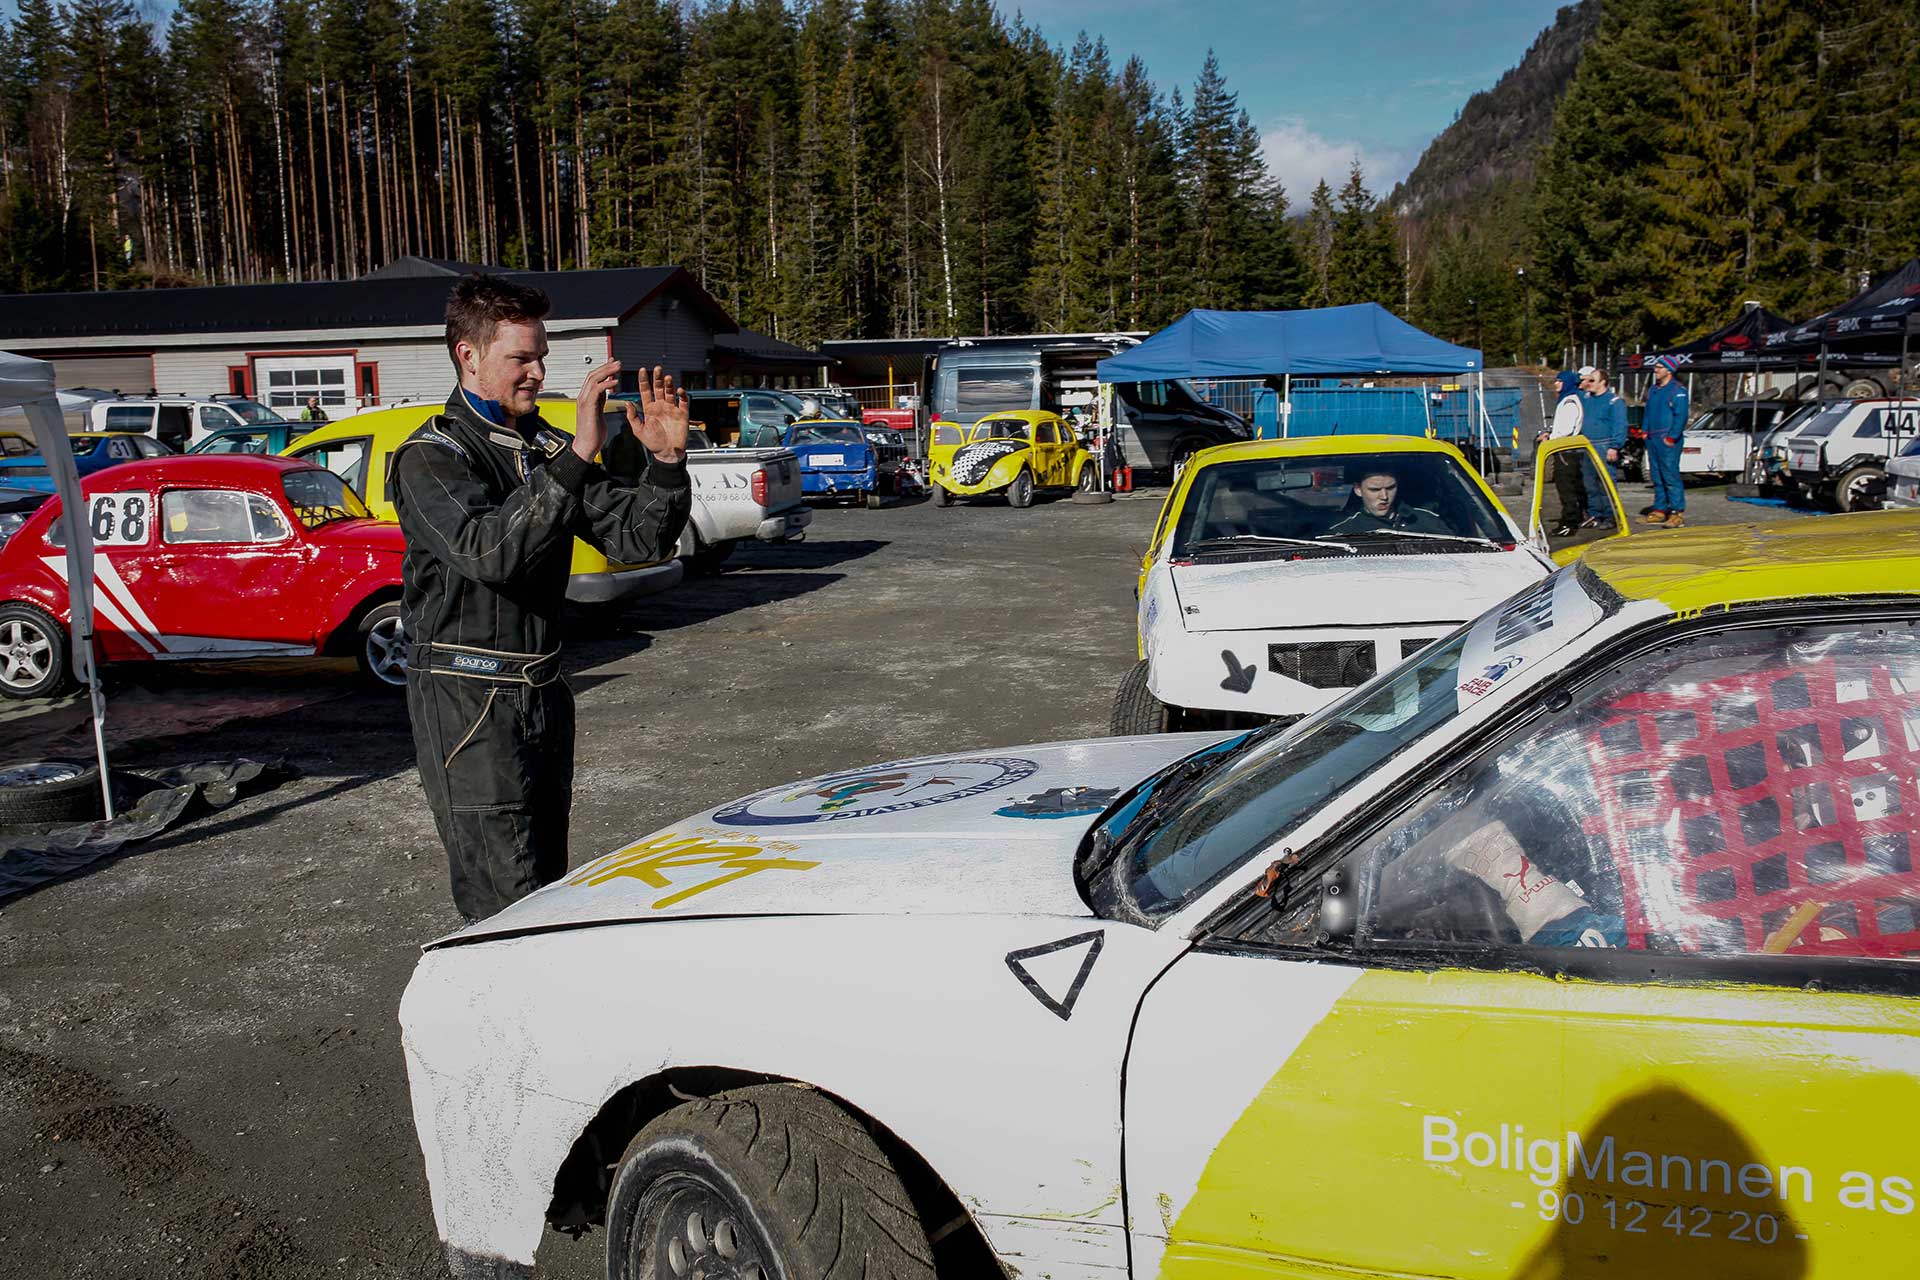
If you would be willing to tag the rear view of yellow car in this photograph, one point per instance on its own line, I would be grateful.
(359, 448)
(1015, 453)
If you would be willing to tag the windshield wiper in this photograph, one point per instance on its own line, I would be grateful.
(1411, 533)
(1236, 539)
(1169, 785)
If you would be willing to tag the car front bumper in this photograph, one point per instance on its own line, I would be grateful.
(603, 588)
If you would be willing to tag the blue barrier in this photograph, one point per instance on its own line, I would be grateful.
(1396, 411)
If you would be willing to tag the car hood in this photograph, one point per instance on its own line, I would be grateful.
(983, 832)
(1349, 591)
(380, 535)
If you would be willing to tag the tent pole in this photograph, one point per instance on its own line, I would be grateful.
(1286, 398)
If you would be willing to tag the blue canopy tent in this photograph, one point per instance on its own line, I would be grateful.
(1329, 341)
(1362, 339)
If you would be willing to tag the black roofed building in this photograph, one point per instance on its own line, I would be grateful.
(379, 339)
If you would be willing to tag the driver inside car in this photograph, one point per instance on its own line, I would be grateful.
(1377, 506)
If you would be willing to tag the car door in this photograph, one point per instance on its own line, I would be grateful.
(1046, 453)
(226, 576)
(348, 458)
(1548, 459)
(1628, 990)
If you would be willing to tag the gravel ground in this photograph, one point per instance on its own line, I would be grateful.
(200, 1069)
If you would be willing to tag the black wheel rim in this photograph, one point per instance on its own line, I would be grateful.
(690, 1228)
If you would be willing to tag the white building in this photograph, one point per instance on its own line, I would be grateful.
(376, 340)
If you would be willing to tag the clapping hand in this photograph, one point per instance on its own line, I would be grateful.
(660, 421)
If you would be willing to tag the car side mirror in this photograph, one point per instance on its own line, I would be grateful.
(1337, 914)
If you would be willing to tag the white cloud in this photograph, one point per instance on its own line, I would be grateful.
(1300, 157)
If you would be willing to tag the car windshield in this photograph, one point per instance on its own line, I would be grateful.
(826, 434)
(1234, 506)
(1823, 423)
(1272, 781)
(983, 389)
(321, 497)
(252, 412)
(1002, 429)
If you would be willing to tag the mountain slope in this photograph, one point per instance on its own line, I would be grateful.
(1500, 130)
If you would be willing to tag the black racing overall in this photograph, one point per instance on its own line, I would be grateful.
(490, 512)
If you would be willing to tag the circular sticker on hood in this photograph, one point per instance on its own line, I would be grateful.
(886, 788)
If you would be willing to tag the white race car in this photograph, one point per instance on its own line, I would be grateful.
(1587, 934)
(1284, 572)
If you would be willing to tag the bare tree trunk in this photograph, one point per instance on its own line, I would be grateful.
(559, 220)
(439, 178)
(366, 210)
(313, 187)
(280, 167)
(940, 190)
(519, 196)
(580, 186)
(337, 239)
(383, 182)
(417, 237)
(346, 185)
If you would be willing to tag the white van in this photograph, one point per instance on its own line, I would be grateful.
(179, 421)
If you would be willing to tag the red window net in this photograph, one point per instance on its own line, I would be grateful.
(1767, 811)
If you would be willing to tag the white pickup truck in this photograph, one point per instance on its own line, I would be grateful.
(737, 494)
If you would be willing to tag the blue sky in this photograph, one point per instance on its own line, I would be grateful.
(1325, 80)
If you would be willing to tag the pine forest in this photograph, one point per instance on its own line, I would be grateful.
(865, 168)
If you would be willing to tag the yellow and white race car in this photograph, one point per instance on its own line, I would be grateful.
(1282, 573)
(1016, 453)
(1584, 944)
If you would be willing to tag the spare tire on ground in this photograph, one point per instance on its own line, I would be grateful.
(49, 791)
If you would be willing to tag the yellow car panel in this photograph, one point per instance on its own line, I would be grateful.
(1543, 463)
(997, 448)
(1519, 1127)
(387, 429)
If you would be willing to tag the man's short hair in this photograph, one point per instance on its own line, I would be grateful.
(480, 303)
(1357, 474)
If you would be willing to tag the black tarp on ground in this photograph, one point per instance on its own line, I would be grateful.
(1735, 347)
(167, 797)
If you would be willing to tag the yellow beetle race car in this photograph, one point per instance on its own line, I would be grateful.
(358, 448)
(1015, 452)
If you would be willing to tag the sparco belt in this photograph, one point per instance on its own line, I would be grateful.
(484, 664)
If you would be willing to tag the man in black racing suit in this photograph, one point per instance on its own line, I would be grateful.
(490, 499)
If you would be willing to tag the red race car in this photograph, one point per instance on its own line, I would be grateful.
(206, 557)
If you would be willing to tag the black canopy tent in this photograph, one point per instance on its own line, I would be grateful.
(1739, 346)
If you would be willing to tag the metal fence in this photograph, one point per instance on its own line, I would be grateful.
(1514, 409)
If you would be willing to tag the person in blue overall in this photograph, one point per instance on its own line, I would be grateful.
(1666, 424)
(1605, 418)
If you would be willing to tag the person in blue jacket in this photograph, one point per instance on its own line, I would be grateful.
(1666, 424)
(1605, 416)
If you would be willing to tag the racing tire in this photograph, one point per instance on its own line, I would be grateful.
(1135, 709)
(33, 653)
(707, 556)
(1863, 389)
(49, 793)
(875, 499)
(381, 649)
(772, 1181)
(1089, 481)
(941, 496)
(1850, 490)
(1020, 492)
